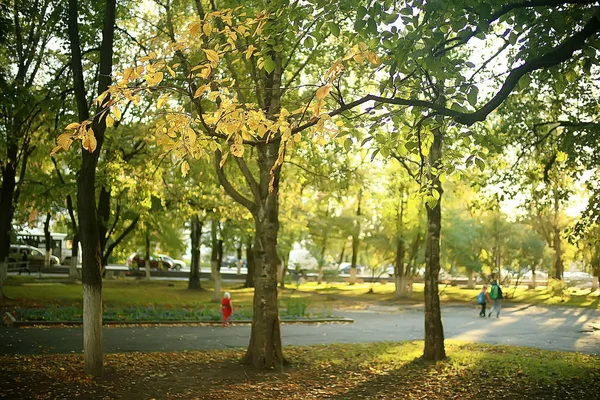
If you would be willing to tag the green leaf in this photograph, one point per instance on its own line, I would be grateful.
(358, 25)
(472, 95)
(348, 144)
(360, 13)
(269, 64)
(334, 29)
(480, 163)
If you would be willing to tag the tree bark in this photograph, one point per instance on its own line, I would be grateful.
(249, 264)
(47, 239)
(355, 242)
(265, 348)
(147, 253)
(90, 238)
(399, 261)
(7, 206)
(471, 279)
(73, 274)
(434, 330)
(194, 282)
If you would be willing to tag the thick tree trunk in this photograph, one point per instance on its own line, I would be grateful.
(265, 348)
(214, 261)
(533, 278)
(103, 218)
(90, 238)
(434, 331)
(249, 264)
(471, 280)
(7, 206)
(194, 282)
(73, 274)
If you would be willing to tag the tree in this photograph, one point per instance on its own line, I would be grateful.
(92, 135)
(24, 95)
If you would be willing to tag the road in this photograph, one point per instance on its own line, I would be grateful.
(554, 328)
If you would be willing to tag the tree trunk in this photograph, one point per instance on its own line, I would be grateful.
(558, 264)
(239, 261)
(73, 273)
(147, 253)
(595, 279)
(265, 348)
(249, 264)
(284, 263)
(434, 330)
(471, 280)
(47, 239)
(355, 241)
(3, 273)
(7, 207)
(90, 239)
(215, 274)
(342, 253)
(194, 282)
(533, 278)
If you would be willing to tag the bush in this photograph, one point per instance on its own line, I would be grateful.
(295, 307)
(557, 288)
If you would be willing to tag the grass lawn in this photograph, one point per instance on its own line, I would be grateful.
(26, 291)
(371, 371)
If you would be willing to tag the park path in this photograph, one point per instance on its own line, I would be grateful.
(552, 328)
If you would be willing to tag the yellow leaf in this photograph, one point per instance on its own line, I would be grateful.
(185, 168)
(211, 55)
(297, 138)
(200, 91)
(223, 159)
(109, 121)
(73, 125)
(339, 123)
(116, 112)
(323, 92)
(197, 67)
(212, 96)
(372, 57)
(162, 100)
(55, 150)
(171, 72)
(237, 149)
(359, 58)
(205, 72)
(89, 141)
(154, 79)
(207, 28)
(65, 140)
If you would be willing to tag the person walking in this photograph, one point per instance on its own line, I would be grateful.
(482, 299)
(226, 308)
(496, 296)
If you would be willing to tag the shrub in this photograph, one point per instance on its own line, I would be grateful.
(557, 288)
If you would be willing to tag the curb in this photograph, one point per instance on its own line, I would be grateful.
(18, 324)
(11, 319)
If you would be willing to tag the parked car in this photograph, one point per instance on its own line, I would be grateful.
(138, 261)
(177, 264)
(346, 267)
(34, 255)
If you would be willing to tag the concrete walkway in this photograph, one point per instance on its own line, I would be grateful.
(556, 328)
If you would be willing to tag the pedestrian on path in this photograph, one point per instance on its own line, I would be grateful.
(496, 296)
(226, 308)
(482, 299)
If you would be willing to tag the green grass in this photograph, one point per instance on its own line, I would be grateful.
(29, 291)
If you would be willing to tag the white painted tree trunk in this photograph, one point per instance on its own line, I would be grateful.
(239, 267)
(409, 288)
(73, 273)
(92, 329)
(217, 279)
(533, 281)
(594, 283)
(147, 269)
(47, 257)
(401, 286)
(470, 280)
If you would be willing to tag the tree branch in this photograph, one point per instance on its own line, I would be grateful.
(249, 178)
(237, 196)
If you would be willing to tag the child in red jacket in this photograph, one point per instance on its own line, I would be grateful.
(226, 308)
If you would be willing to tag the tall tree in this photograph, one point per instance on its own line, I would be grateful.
(92, 135)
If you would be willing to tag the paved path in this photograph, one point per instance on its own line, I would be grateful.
(556, 328)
